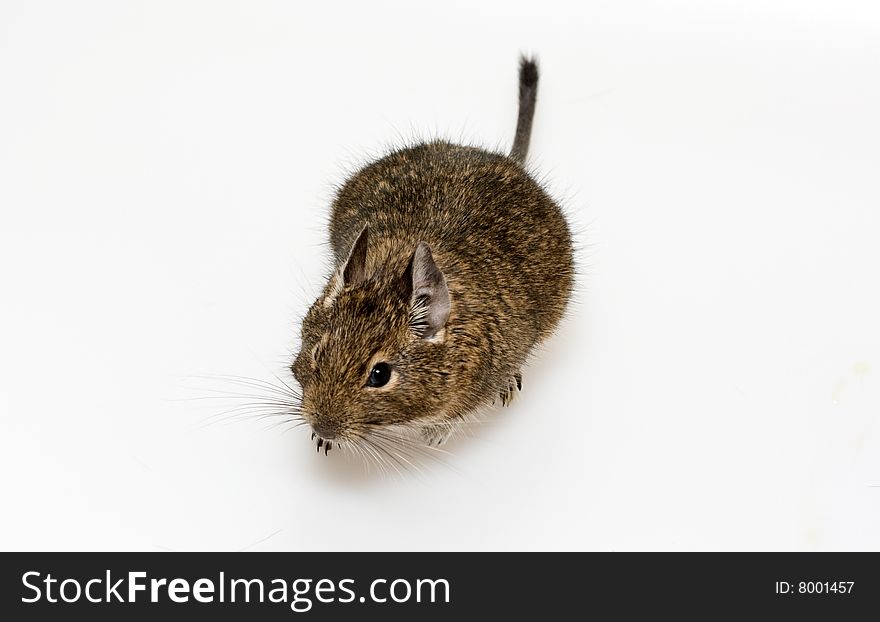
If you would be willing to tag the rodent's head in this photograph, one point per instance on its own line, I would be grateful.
(372, 347)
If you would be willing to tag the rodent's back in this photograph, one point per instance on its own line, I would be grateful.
(501, 241)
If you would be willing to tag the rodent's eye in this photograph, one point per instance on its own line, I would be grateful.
(380, 375)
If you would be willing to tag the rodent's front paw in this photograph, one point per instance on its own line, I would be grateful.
(436, 435)
(508, 393)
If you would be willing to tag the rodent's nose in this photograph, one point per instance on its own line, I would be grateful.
(324, 431)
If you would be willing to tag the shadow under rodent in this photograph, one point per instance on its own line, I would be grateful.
(452, 263)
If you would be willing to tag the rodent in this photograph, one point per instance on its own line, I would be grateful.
(451, 264)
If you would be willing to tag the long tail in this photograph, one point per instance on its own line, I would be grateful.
(528, 95)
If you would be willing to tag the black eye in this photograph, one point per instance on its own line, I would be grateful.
(380, 375)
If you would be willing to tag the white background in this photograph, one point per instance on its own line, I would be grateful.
(165, 172)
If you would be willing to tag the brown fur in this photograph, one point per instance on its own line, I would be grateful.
(505, 254)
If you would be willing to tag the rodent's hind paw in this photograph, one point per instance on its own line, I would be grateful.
(514, 385)
(436, 435)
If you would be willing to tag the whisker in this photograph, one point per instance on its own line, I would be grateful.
(379, 456)
(239, 417)
(228, 395)
(394, 452)
(291, 389)
(286, 389)
(253, 400)
(413, 448)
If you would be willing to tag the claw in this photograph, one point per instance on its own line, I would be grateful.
(518, 378)
(327, 448)
(313, 436)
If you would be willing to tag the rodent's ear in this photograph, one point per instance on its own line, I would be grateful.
(355, 270)
(428, 291)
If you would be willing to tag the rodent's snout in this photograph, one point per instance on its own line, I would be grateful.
(325, 431)
(325, 435)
